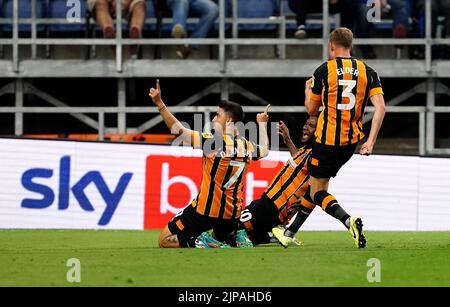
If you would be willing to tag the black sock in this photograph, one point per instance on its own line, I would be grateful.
(330, 205)
(186, 241)
(306, 207)
(301, 216)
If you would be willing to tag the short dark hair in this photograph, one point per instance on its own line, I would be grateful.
(233, 109)
(342, 37)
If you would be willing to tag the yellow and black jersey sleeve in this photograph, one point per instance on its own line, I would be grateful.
(319, 77)
(374, 82)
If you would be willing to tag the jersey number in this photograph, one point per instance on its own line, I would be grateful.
(246, 216)
(349, 85)
(241, 166)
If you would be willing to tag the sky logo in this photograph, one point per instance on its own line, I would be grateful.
(111, 198)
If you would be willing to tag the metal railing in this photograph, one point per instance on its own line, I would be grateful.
(221, 41)
(426, 114)
(208, 110)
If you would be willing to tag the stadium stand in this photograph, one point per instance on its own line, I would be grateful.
(265, 9)
(249, 23)
(25, 11)
(57, 9)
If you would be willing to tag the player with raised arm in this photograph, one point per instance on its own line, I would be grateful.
(286, 195)
(226, 156)
(342, 85)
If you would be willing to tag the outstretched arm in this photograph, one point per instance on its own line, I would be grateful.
(262, 119)
(171, 121)
(377, 120)
(284, 132)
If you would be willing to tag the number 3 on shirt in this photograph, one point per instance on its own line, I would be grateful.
(349, 85)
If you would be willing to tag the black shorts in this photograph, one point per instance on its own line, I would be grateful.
(326, 160)
(259, 217)
(191, 224)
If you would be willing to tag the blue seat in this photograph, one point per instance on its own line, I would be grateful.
(6, 11)
(59, 9)
(257, 9)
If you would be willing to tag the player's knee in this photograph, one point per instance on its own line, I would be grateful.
(163, 242)
(319, 185)
(166, 242)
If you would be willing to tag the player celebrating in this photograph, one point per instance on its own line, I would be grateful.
(342, 86)
(286, 194)
(226, 156)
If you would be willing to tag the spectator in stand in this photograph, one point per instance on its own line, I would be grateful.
(400, 14)
(303, 7)
(354, 16)
(418, 29)
(206, 9)
(104, 11)
(438, 8)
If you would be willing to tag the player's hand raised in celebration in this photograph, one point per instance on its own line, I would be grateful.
(263, 117)
(283, 131)
(155, 94)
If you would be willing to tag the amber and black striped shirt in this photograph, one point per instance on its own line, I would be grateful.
(290, 184)
(225, 165)
(343, 86)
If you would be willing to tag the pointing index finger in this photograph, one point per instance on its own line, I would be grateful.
(267, 108)
(157, 85)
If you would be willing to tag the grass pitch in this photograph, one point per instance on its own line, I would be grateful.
(132, 258)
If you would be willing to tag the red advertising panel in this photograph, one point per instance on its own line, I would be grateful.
(173, 182)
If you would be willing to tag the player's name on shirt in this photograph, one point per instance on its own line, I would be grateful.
(234, 152)
(347, 70)
(226, 146)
